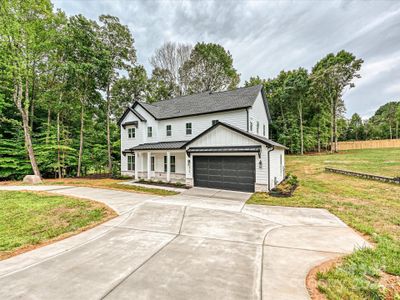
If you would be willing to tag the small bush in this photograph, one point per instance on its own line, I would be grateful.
(286, 187)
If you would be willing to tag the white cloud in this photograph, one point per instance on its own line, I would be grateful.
(265, 37)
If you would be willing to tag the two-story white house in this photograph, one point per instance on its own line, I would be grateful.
(216, 140)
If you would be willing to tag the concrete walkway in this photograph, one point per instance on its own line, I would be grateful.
(180, 247)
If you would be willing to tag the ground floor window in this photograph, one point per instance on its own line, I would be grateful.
(172, 164)
(152, 163)
(131, 162)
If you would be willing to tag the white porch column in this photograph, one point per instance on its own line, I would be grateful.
(188, 168)
(136, 165)
(168, 166)
(142, 163)
(148, 164)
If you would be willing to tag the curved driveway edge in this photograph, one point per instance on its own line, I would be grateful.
(188, 246)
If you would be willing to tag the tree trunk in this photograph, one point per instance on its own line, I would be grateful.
(319, 137)
(63, 169)
(80, 144)
(24, 111)
(300, 107)
(32, 102)
(390, 131)
(397, 129)
(332, 124)
(108, 130)
(58, 146)
(48, 125)
(335, 124)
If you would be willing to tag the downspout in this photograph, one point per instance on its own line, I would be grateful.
(247, 114)
(269, 168)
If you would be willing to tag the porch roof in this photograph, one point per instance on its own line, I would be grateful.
(157, 146)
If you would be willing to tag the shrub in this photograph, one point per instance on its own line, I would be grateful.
(286, 187)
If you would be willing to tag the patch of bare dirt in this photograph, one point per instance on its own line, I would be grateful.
(312, 282)
(391, 284)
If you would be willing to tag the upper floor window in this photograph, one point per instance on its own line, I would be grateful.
(131, 162)
(131, 133)
(264, 130)
(169, 130)
(188, 128)
(251, 126)
(213, 122)
(149, 131)
(258, 127)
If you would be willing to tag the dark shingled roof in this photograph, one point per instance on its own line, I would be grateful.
(203, 103)
(158, 146)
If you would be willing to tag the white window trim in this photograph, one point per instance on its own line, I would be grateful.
(191, 128)
(172, 157)
(166, 130)
(131, 135)
(132, 164)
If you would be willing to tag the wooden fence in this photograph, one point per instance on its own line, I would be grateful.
(395, 143)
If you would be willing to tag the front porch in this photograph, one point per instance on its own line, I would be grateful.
(167, 166)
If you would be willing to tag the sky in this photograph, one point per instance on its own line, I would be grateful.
(265, 37)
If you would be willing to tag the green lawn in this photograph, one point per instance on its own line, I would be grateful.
(376, 161)
(105, 183)
(29, 219)
(370, 207)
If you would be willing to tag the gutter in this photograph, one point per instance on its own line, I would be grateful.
(247, 114)
(269, 168)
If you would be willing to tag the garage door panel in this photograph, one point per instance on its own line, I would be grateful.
(225, 172)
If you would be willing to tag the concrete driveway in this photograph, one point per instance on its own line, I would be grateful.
(187, 246)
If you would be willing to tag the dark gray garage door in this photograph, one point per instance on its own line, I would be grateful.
(225, 172)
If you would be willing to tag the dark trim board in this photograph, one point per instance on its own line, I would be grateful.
(226, 149)
(130, 109)
(134, 123)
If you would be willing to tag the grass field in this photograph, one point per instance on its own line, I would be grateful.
(106, 183)
(29, 219)
(370, 207)
(376, 161)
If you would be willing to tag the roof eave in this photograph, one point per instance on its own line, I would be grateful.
(206, 113)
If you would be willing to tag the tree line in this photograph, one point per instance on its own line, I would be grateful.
(66, 80)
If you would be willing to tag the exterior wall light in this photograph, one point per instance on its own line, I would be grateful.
(260, 163)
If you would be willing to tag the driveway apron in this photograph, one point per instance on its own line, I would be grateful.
(196, 245)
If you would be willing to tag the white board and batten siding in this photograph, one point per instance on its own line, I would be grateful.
(277, 161)
(140, 135)
(222, 136)
(257, 113)
(200, 123)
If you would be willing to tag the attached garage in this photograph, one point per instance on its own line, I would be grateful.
(225, 172)
(226, 157)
